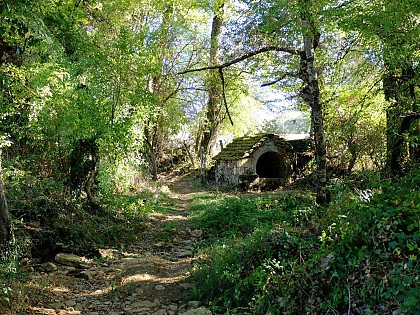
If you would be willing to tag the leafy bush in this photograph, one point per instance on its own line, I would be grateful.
(377, 251)
(9, 270)
(243, 233)
(48, 213)
(360, 255)
(237, 271)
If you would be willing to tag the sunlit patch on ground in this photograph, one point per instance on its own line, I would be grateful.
(48, 311)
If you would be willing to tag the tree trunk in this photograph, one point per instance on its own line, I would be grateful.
(353, 156)
(189, 154)
(400, 151)
(154, 127)
(91, 178)
(311, 94)
(392, 154)
(212, 122)
(151, 152)
(4, 218)
(320, 154)
(399, 91)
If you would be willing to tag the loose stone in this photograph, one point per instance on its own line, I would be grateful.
(70, 303)
(58, 305)
(184, 253)
(140, 304)
(198, 311)
(194, 304)
(159, 287)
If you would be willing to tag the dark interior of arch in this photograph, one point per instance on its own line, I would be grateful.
(271, 165)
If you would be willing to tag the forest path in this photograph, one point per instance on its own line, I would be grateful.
(150, 277)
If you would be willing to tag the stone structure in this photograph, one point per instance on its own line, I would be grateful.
(250, 158)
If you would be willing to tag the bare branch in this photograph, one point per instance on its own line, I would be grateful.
(224, 95)
(349, 297)
(289, 50)
(291, 74)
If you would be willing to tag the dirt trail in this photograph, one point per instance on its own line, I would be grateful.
(147, 278)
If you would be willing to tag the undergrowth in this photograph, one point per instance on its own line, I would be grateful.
(282, 255)
(227, 216)
(48, 218)
(47, 214)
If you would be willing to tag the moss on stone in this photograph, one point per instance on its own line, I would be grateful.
(244, 147)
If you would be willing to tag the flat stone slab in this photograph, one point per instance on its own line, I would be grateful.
(72, 260)
(183, 253)
(198, 311)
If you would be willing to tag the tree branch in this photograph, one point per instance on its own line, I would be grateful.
(289, 50)
(224, 95)
(349, 298)
(279, 79)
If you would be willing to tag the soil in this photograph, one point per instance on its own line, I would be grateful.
(150, 277)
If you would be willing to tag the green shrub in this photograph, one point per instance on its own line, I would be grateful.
(119, 223)
(371, 246)
(237, 271)
(55, 215)
(228, 216)
(245, 232)
(362, 251)
(10, 255)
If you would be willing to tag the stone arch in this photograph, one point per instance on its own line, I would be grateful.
(272, 164)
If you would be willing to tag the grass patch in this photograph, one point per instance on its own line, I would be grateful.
(227, 216)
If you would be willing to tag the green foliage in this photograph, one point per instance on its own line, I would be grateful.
(238, 271)
(355, 123)
(243, 233)
(10, 256)
(5, 294)
(83, 160)
(107, 71)
(30, 197)
(362, 250)
(237, 216)
(377, 252)
(57, 216)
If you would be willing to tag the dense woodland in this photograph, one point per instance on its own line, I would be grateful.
(100, 98)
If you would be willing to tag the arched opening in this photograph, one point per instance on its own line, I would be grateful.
(272, 165)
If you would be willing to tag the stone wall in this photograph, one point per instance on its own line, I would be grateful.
(228, 172)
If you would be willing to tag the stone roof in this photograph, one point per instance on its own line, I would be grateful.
(244, 147)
